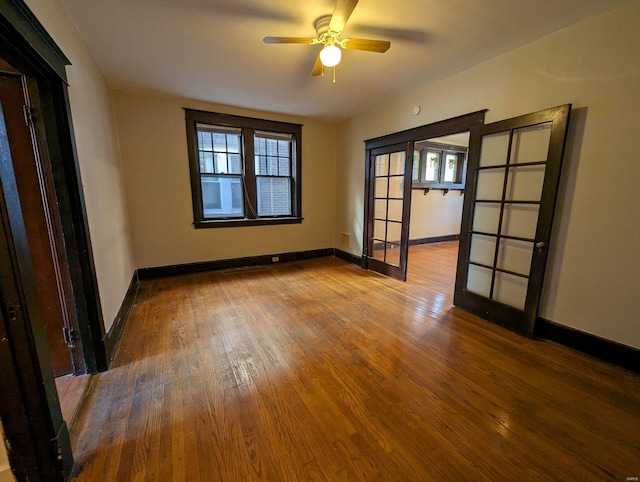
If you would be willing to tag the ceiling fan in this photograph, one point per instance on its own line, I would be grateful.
(328, 31)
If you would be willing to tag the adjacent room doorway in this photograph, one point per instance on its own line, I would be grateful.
(509, 188)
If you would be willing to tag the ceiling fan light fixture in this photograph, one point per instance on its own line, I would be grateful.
(330, 56)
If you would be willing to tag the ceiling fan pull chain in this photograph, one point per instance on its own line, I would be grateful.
(334, 73)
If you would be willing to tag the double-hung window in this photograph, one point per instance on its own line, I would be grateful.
(244, 171)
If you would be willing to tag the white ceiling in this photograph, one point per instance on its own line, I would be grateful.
(212, 50)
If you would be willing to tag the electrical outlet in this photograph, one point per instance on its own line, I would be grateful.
(345, 239)
(275, 259)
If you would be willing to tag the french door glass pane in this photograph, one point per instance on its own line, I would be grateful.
(483, 249)
(490, 184)
(510, 290)
(515, 255)
(520, 220)
(395, 210)
(380, 208)
(382, 165)
(531, 144)
(379, 230)
(381, 187)
(525, 183)
(393, 254)
(479, 280)
(396, 166)
(494, 148)
(396, 187)
(486, 217)
(394, 231)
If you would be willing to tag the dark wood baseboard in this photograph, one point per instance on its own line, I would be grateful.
(204, 266)
(606, 350)
(434, 239)
(112, 339)
(351, 258)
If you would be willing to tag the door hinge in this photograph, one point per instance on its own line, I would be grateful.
(28, 114)
(69, 335)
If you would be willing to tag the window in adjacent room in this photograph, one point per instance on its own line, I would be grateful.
(438, 165)
(244, 171)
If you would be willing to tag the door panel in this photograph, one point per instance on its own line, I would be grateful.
(512, 179)
(390, 181)
(38, 222)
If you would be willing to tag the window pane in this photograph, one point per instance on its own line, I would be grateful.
(204, 141)
(433, 166)
(206, 162)
(233, 143)
(235, 163)
(283, 166)
(450, 167)
(221, 163)
(272, 166)
(219, 142)
(260, 146)
(274, 196)
(415, 173)
(210, 195)
(272, 147)
(222, 196)
(283, 148)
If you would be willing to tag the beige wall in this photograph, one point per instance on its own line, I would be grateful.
(98, 156)
(434, 214)
(5, 469)
(592, 282)
(153, 143)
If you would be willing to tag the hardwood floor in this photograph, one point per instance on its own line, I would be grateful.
(71, 392)
(319, 370)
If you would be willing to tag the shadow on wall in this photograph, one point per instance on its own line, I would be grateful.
(566, 190)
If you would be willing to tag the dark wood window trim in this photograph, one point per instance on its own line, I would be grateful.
(248, 126)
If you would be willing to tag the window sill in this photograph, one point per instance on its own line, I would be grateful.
(227, 223)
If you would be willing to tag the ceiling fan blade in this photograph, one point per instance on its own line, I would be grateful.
(288, 40)
(369, 45)
(317, 67)
(341, 14)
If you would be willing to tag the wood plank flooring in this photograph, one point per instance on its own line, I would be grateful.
(319, 370)
(71, 392)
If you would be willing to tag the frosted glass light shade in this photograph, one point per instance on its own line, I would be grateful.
(330, 56)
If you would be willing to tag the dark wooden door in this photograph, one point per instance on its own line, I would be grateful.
(389, 188)
(38, 220)
(510, 195)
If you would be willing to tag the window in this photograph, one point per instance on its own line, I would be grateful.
(439, 165)
(244, 171)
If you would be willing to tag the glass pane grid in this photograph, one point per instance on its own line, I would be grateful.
(219, 150)
(272, 156)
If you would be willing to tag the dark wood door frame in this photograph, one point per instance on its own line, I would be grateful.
(437, 129)
(34, 407)
(26, 45)
(29, 410)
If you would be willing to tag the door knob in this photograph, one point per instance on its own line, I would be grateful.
(540, 245)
